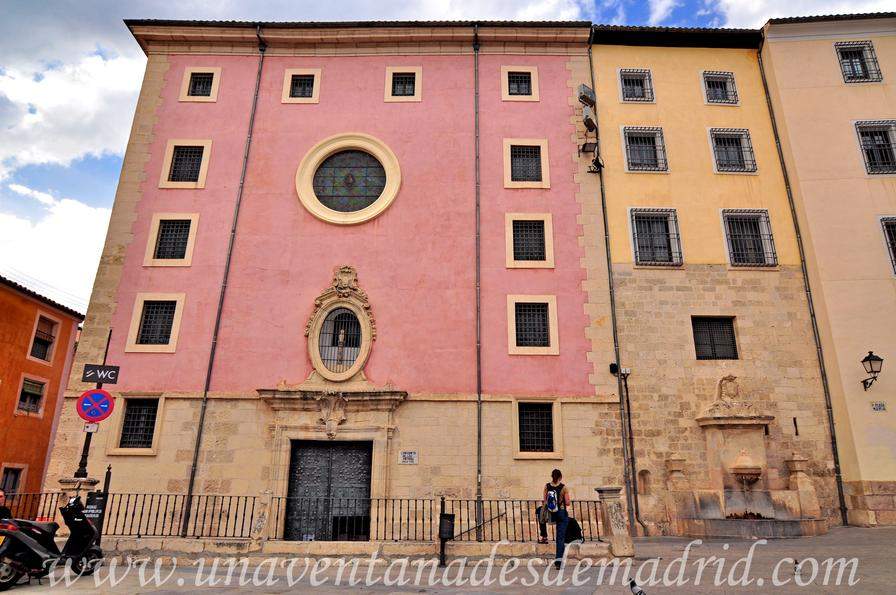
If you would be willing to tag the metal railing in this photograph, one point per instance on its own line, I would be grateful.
(515, 520)
(33, 506)
(161, 515)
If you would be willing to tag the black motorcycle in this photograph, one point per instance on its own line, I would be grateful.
(29, 548)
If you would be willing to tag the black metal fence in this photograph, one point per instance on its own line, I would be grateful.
(34, 507)
(515, 520)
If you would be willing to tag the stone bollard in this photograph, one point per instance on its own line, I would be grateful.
(613, 521)
(802, 484)
(259, 531)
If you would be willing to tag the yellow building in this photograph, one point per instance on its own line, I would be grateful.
(831, 81)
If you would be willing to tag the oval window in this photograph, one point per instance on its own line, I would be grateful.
(349, 181)
(340, 340)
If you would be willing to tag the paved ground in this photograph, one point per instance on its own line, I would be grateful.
(874, 571)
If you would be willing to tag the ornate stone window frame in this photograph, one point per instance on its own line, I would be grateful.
(344, 142)
(342, 293)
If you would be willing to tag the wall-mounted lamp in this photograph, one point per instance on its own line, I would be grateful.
(872, 364)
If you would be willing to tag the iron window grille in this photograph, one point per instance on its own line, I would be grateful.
(301, 85)
(44, 336)
(31, 396)
(340, 340)
(186, 162)
(656, 238)
(10, 481)
(750, 241)
(889, 225)
(403, 84)
(720, 87)
(201, 84)
(858, 62)
(645, 149)
(519, 83)
(139, 424)
(714, 337)
(529, 240)
(733, 150)
(878, 141)
(532, 325)
(525, 163)
(171, 243)
(637, 84)
(156, 322)
(536, 427)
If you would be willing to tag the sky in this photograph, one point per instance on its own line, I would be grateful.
(70, 73)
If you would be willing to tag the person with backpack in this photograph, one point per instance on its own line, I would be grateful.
(555, 502)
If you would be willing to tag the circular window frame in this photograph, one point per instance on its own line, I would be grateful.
(344, 142)
(317, 323)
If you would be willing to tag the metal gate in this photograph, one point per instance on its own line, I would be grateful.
(329, 491)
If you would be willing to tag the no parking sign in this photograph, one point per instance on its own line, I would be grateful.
(95, 405)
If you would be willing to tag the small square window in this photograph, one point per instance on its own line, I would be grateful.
(403, 84)
(529, 240)
(749, 235)
(858, 62)
(637, 85)
(889, 226)
(878, 142)
(139, 423)
(720, 87)
(525, 163)
(656, 238)
(519, 83)
(172, 239)
(156, 322)
(186, 163)
(12, 477)
(301, 85)
(733, 150)
(201, 84)
(645, 149)
(714, 337)
(532, 325)
(44, 337)
(536, 427)
(31, 396)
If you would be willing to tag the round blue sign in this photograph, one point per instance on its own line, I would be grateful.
(95, 405)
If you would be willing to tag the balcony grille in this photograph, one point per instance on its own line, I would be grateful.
(172, 240)
(720, 87)
(186, 162)
(301, 85)
(201, 84)
(403, 84)
(532, 325)
(637, 85)
(156, 322)
(31, 396)
(340, 340)
(657, 242)
(733, 150)
(519, 83)
(750, 241)
(139, 424)
(714, 337)
(858, 62)
(889, 225)
(43, 339)
(528, 240)
(878, 141)
(525, 163)
(645, 149)
(536, 427)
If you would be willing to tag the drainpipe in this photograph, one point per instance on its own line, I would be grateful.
(478, 286)
(262, 46)
(819, 351)
(631, 495)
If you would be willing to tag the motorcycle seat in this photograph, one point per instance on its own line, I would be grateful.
(45, 527)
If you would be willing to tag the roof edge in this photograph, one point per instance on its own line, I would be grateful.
(41, 298)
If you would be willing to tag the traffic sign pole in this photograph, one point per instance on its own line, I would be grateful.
(88, 436)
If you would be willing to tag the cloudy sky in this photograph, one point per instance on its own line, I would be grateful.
(70, 73)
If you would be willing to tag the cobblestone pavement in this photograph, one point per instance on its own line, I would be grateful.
(799, 565)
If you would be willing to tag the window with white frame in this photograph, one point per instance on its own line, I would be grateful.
(636, 84)
(878, 141)
(749, 236)
(720, 87)
(44, 337)
(732, 150)
(655, 237)
(645, 149)
(858, 62)
(139, 423)
(889, 226)
(31, 395)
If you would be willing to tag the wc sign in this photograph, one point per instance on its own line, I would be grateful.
(97, 373)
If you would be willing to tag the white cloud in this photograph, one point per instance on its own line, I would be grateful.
(660, 10)
(58, 250)
(754, 13)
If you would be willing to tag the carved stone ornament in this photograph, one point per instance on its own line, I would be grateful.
(343, 287)
(332, 412)
(729, 406)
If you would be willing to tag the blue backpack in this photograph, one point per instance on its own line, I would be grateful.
(552, 503)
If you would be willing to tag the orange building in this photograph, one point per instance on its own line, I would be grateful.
(37, 342)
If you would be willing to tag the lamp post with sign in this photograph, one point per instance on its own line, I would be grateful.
(95, 405)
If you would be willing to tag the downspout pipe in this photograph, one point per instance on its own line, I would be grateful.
(262, 47)
(631, 495)
(478, 193)
(807, 287)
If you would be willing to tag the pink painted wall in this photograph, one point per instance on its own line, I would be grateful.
(416, 261)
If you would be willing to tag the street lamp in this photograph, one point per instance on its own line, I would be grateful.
(872, 364)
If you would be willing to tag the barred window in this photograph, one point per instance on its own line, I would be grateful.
(733, 150)
(532, 325)
(656, 237)
(139, 423)
(156, 321)
(525, 163)
(858, 62)
(637, 84)
(645, 149)
(536, 427)
(31, 396)
(200, 84)
(44, 336)
(301, 85)
(878, 141)
(10, 481)
(714, 337)
(519, 83)
(186, 162)
(171, 242)
(889, 225)
(403, 84)
(750, 241)
(529, 240)
(720, 87)
(340, 340)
